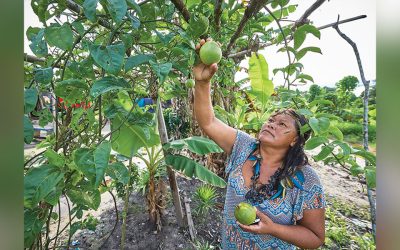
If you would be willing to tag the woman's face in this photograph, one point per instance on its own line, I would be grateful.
(279, 131)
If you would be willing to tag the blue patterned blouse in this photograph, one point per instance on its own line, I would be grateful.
(285, 210)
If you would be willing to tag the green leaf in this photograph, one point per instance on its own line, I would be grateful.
(258, 74)
(28, 130)
(323, 124)
(335, 131)
(315, 142)
(71, 90)
(325, 151)
(303, 51)
(54, 196)
(305, 112)
(54, 158)
(78, 27)
(321, 102)
(31, 98)
(192, 169)
(117, 9)
(107, 84)
(301, 33)
(137, 60)
(84, 161)
(39, 45)
(110, 58)
(39, 182)
(161, 70)
(135, 6)
(356, 169)
(370, 176)
(43, 75)
(119, 172)
(32, 226)
(89, 8)
(101, 157)
(61, 37)
(305, 76)
(45, 116)
(198, 25)
(370, 157)
(345, 147)
(130, 137)
(314, 124)
(196, 144)
(134, 21)
(89, 198)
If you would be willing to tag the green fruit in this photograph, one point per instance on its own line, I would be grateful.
(190, 83)
(245, 213)
(210, 53)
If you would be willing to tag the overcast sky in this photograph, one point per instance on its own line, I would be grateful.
(338, 59)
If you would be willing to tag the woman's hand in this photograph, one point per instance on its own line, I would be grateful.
(203, 73)
(264, 226)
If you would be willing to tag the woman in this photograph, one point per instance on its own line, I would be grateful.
(270, 172)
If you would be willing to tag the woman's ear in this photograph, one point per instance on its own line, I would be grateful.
(294, 141)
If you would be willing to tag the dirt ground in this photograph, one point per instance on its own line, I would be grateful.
(338, 184)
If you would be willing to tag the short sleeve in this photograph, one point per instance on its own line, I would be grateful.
(240, 150)
(312, 197)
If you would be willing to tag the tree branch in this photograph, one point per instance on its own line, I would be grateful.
(303, 19)
(217, 14)
(182, 9)
(252, 8)
(78, 9)
(261, 46)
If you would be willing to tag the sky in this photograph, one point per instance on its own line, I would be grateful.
(337, 60)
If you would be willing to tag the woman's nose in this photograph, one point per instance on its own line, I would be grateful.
(271, 126)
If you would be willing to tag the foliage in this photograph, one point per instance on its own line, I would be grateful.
(205, 196)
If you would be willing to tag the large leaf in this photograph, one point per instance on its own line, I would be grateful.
(366, 155)
(89, 8)
(32, 226)
(31, 98)
(101, 157)
(39, 182)
(117, 9)
(130, 137)
(315, 142)
(301, 33)
(258, 74)
(135, 6)
(196, 144)
(39, 45)
(84, 161)
(335, 131)
(137, 60)
(325, 151)
(89, 198)
(192, 169)
(110, 58)
(71, 90)
(28, 130)
(54, 158)
(198, 25)
(119, 172)
(161, 70)
(43, 75)
(345, 147)
(107, 84)
(60, 36)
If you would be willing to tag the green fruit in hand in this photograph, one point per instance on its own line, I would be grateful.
(190, 83)
(245, 213)
(210, 53)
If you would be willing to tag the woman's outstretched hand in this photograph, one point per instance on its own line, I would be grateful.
(264, 226)
(203, 73)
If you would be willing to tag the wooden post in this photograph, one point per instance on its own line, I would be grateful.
(192, 230)
(162, 130)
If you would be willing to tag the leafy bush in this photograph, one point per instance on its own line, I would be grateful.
(348, 128)
(205, 196)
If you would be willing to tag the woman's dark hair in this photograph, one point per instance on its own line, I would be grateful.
(295, 157)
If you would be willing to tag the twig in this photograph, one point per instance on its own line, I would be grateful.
(116, 220)
(59, 222)
(70, 220)
(303, 19)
